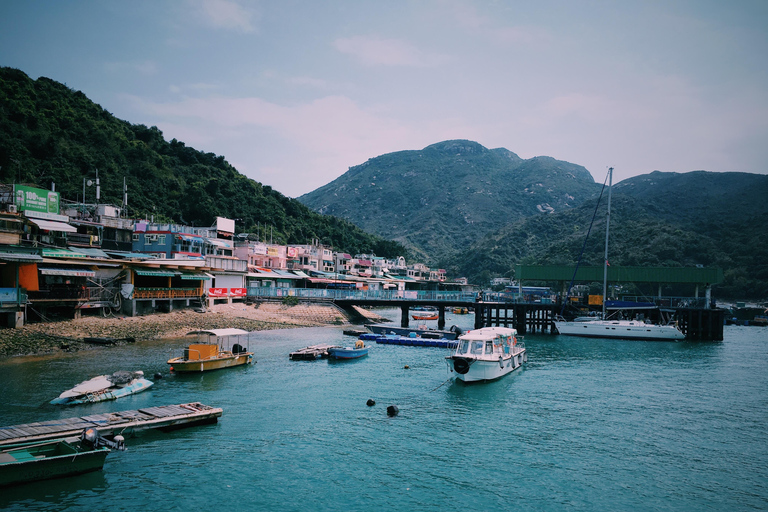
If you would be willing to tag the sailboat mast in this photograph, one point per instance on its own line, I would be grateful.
(607, 228)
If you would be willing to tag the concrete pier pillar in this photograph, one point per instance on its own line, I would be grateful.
(441, 317)
(404, 316)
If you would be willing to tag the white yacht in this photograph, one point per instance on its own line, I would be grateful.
(487, 354)
(621, 329)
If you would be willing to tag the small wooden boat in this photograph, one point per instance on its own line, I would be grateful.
(424, 317)
(360, 350)
(104, 387)
(29, 462)
(223, 348)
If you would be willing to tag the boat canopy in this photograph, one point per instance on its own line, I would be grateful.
(220, 332)
(487, 333)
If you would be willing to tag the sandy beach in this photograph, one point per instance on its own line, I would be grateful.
(62, 336)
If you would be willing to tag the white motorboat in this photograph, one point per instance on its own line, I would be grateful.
(487, 354)
(621, 329)
(104, 387)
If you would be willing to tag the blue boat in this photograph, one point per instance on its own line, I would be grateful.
(359, 350)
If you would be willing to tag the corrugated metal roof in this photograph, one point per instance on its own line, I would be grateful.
(20, 257)
(691, 275)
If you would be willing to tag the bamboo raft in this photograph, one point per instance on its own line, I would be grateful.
(311, 353)
(164, 417)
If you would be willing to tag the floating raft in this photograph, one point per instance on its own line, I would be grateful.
(311, 353)
(166, 417)
(413, 342)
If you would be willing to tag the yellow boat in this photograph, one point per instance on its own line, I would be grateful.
(223, 348)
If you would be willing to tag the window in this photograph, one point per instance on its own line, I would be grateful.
(161, 239)
(464, 347)
(135, 237)
(477, 347)
(489, 347)
(147, 239)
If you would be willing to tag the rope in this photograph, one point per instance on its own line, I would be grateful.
(584, 245)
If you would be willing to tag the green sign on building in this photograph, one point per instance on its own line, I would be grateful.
(36, 199)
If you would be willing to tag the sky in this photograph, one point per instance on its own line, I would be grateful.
(294, 93)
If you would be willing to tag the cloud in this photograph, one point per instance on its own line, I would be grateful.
(225, 14)
(375, 51)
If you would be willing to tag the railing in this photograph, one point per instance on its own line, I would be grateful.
(383, 295)
(166, 293)
(671, 302)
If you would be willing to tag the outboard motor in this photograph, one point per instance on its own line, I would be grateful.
(92, 438)
(457, 330)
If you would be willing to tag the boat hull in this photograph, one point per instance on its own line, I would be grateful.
(136, 386)
(181, 365)
(405, 331)
(347, 353)
(54, 460)
(477, 370)
(625, 330)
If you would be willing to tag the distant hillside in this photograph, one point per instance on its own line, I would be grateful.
(52, 134)
(659, 219)
(439, 200)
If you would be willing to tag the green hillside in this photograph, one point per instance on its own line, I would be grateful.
(52, 134)
(660, 219)
(439, 200)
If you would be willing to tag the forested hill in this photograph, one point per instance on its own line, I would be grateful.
(443, 198)
(658, 219)
(52, 134)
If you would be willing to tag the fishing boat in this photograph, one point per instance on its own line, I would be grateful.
(29, 462)
(104, 387)
(359, 350)
(216, 349)
(487, 354)
(425, 316)
(605, 327)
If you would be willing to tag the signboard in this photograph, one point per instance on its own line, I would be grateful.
(292, 252)
(217, 292)
(36, 199)
(272, 251)
(237, 292)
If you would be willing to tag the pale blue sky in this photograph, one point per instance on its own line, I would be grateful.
(293, 93)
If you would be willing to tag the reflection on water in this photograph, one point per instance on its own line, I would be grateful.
(585, 424)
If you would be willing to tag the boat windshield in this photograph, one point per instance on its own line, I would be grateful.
(477, 347)
(463, 347)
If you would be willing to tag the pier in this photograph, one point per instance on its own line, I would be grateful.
(311, 353)
(164, 417)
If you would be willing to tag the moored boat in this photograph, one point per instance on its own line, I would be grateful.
(421, 331)
(425, 316)
(359, 350)
(104, 387)
(487, 354)
(29, 462)
(220, 348)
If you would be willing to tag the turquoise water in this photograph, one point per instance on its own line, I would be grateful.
(585, 425)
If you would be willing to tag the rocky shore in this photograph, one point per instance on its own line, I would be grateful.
(52, 337)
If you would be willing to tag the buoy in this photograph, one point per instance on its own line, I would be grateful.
(171, 368)
(407, 367)
(392, 410)
(158, 376)
(370, 403)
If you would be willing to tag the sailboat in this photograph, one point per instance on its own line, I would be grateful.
(619, 329)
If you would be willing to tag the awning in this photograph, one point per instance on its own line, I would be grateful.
(189, 238)
(67, 272)
(20, 257)
(300, 273)
(282, 274)
(218, 243)
(62, 253)
(154, 272)
(50, 225)
(200, 277)
(92, 252)
(129, 255)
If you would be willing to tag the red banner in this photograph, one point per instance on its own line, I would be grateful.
(237, 292)
(217, 292)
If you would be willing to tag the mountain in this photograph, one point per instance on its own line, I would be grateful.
(477, 212)
(658, 219)
(52, 134)
(439, 200)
